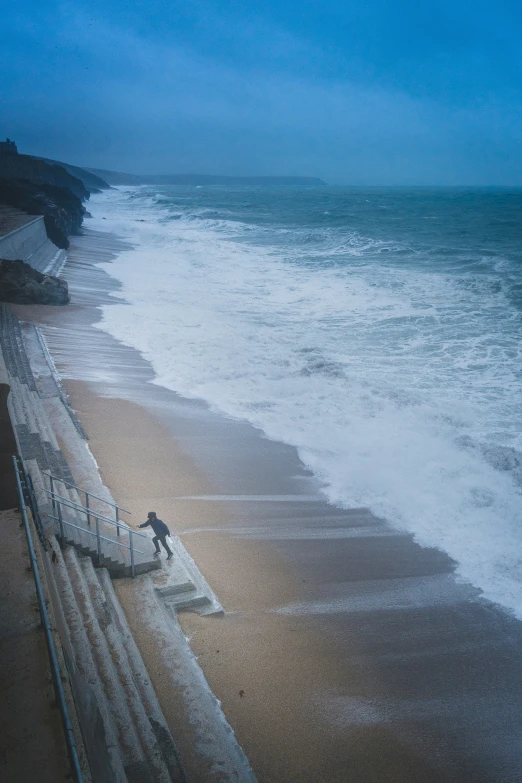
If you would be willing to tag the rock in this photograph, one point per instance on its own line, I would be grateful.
(39, 172)
(62, 210)
(55, 233)
(21, 284)
(93, 183)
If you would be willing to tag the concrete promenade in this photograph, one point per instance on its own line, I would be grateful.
(32, 745)
(12, 219)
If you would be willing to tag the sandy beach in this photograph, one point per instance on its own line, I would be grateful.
(346, 651)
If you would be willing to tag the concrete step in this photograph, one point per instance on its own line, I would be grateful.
(143, 683)
(37, 478)
(34, 407)
(180, 585)
(187, 602)
(80, 535)
(34, 433)
(27, 414)
(46, 376)
(84, 661)
(129, 743)
(176, 589)
(135, 732)
(14, 404)
(42, 500)
(111, 552)
(205, 726)
(107, 623)
(11, 342)
(84, 538)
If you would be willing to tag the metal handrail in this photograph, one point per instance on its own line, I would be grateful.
(58, 501)
(79, 507)
(90, 494)
(92, 533)
(53, 659)
(99, 539)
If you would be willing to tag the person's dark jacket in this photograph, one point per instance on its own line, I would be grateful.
(159, 527)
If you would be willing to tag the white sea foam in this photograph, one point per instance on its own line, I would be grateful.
(377, 375)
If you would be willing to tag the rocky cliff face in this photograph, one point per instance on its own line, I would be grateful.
(39, 172)
(21, 284)
(92, 182)
(62, 210)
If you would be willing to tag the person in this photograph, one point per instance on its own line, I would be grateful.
(161, 532)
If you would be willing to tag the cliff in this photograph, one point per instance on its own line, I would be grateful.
(92, 182)
(37, 171)
(63, 211)
(116, 178)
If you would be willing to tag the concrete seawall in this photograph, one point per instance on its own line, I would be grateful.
(8, 495)
(31, 244)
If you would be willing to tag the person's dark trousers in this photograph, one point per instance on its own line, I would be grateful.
(163, 540)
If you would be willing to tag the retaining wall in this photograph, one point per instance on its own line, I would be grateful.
(31, 244)
(8, 495)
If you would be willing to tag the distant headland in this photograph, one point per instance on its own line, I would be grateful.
(118, 178)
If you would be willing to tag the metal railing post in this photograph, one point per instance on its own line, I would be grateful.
(131, 547)
(87, 507)
(60, 522)
(52, 494)
(117, 521)
(52, 478)
(98, 541)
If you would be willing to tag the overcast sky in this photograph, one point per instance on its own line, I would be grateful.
(353, 91)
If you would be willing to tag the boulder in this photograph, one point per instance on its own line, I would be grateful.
(21, 284)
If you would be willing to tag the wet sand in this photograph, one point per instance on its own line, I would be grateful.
(346, 652)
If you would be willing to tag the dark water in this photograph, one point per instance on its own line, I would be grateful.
(377, 330)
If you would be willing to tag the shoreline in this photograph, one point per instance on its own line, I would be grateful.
(358, 654)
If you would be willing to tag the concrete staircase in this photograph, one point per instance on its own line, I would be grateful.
(139, 745)
(182, 588)
(41, 453)
(124, 731)
(36, 440)
(79, 530)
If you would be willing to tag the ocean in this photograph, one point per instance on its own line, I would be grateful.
(376, 330)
